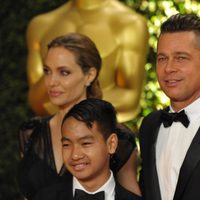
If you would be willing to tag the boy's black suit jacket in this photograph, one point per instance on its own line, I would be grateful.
(188, 186)
(63, 191)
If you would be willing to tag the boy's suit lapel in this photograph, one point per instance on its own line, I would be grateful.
(66, 190)
(123, 194)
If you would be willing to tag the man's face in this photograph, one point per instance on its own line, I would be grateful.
(178, 67)
(86, 154)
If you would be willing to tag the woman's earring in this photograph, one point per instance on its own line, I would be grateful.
(87, 84)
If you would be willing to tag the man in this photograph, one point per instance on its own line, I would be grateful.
(170, 142)
(121, 36)
(89, 139)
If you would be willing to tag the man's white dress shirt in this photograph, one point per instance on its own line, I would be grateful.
(171, 148)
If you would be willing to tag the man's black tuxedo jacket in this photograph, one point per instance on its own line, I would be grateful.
(188, 186)
(63, 191)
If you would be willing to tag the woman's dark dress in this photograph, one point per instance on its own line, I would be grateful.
(37, 169)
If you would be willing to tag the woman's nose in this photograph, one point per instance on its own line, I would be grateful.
(53, 80)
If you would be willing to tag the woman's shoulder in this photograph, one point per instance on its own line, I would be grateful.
(29, 129)
(31, 123)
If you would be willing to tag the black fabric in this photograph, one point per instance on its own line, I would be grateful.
(82, 195)
(63, 191)
(126, 145)
(169, 118)
(37, 168)
(188, 180)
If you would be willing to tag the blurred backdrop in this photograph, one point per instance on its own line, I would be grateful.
(14, 107)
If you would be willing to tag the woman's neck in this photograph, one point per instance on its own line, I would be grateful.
(89, 4)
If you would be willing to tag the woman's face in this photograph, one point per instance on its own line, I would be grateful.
(65, 81)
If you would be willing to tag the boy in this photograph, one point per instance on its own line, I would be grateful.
(89, 139)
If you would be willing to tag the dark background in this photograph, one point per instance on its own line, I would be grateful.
(14, 109)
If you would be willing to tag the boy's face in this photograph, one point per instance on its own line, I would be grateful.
(85, 152)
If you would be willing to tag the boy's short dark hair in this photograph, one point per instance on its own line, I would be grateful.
(95, 110)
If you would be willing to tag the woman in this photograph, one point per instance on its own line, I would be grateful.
(71, 68)
(121, 35)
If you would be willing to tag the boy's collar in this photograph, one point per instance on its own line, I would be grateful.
(107, 187)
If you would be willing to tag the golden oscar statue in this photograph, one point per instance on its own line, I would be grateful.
(121, 35)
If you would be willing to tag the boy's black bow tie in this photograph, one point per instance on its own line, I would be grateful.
(82, 195)
(169, 118)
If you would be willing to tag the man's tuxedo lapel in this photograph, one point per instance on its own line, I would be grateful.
(190, 162)
(151, 129)
(153, 179)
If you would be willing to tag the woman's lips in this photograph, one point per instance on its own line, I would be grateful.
(54, 93)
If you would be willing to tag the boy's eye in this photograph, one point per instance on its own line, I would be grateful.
(65, 145)
(86, 143)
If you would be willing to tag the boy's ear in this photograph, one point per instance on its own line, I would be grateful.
(112, 143)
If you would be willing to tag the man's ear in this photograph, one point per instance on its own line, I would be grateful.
(91, 75)
(112, 143)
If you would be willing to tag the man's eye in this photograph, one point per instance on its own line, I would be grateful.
(160, 59)
(181, 58)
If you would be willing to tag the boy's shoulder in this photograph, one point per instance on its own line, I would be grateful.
(123, 194)
(57, 191)
(63, 191)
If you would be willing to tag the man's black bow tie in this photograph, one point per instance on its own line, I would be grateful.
(82, 195)
(169, 118)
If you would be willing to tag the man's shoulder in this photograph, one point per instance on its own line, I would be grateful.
(149, 124)
(152, 116)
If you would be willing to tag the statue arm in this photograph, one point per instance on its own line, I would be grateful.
(37, 29)
(37, 94)
(130, 72)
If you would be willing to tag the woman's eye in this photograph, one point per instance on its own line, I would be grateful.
(64, 72)
(46, 70)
